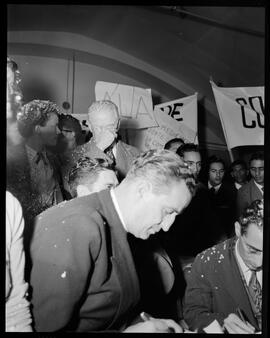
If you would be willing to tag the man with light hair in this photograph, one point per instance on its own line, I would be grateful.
(104, 123)
(83, 275)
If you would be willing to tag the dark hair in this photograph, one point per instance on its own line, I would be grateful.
(214, 159)
(174, 140)
(256, 156)
(238, 162)
(36, 112)
(85, 171)
(252, 214)
(187, 147)
(69, 121)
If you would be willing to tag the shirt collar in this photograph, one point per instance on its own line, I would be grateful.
(244, 268)
(211, 186)
(259, 186)
(237, 185)
(116, 205)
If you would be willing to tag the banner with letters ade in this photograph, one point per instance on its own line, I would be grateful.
(241, 111)
(135, 104)
(177, 118)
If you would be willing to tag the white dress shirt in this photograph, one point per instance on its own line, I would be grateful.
(246, 270)
(215, 187)
(116, 205)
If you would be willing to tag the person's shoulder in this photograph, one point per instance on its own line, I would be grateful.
(214, 255)
(129, 149)
(246, 187)
(78, 218)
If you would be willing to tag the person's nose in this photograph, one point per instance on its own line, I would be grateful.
(166, 225)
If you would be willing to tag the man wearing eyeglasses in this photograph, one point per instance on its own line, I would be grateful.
(254, 188)
(104, 123)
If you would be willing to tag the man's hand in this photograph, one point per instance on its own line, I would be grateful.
(154, 325)
(105, 139)
(233, 324)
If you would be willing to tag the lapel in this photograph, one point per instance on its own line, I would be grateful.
(121, 253)
(255, 192)
(232, 281)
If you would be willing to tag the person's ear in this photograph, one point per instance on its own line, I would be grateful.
(143, 189)
(237, 228)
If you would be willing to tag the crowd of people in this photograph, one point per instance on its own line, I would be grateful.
(80, 212)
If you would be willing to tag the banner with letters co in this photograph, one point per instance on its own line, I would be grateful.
(177, 118)
(241, 111)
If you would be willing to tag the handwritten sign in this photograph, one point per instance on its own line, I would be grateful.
(176, 118)
(134, 104)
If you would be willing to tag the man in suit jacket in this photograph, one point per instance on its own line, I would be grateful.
(222, 195)
(254, 188)
(218, 282)
(83, 274)
(199, 217)
(104, 122)
(239, 173)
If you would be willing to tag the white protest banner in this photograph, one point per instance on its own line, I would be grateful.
(176, 118)
(135, 104)
(241, 111)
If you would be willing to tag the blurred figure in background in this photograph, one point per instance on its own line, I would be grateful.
(239, 173)
(17, 312)
(33, 175)
(68, 140)
(71, 131)
(254, 188)
(13, 104)
(199, 216)
(174, 144)
(222, 195)
(18, 317)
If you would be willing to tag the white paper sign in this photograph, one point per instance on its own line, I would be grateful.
(176, 118)
(135, 104)
(241, 111)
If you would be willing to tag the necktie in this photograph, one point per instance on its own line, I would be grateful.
(212, 191)
(41, 156)
(255, 291)
(109, 153)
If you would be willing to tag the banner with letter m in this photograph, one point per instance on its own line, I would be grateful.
(241, 111)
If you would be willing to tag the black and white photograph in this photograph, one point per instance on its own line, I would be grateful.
(135, 148)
